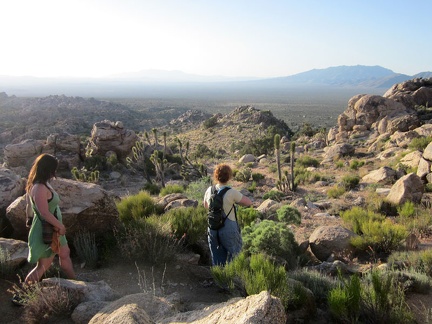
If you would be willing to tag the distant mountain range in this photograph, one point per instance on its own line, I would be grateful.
(152, 81)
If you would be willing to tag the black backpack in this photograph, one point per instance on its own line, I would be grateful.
(216, 215)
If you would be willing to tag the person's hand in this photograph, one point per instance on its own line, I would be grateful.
(61, 229)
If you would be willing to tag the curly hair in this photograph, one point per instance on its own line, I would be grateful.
(222, 173)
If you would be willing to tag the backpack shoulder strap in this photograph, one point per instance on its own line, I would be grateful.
(223, 191)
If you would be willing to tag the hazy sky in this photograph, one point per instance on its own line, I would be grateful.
(227, 37)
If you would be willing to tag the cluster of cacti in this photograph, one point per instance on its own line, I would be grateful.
(189, 170)
(286, 182)
(159, 165)
(84, 175)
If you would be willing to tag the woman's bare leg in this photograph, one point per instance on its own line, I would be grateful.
(66, 262)
(36, 274)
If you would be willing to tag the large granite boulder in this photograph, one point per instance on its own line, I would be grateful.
(409, 187)
(84, 206)
(108, 136)
(384, 175)
(11, 187)
(23, 153)
(411, 93)
(327, 241)
(16, 252)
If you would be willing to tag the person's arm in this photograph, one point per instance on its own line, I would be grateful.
(245, 201)
(41, 194)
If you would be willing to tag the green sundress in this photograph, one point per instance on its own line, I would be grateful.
(37, 248)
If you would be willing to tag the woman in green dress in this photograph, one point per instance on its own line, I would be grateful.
(44, 201)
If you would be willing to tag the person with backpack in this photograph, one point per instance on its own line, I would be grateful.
(224, 235)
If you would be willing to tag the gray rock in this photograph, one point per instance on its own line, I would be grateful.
(409, 187)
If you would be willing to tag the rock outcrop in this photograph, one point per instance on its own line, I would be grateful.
(407, 188)
(96, 213)
(107, 136)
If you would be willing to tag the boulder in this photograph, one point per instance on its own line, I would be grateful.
(167, 199)
(109, 136)
(423, 168)
(11, 187)
(247, 158)
(336, 151)
(409, 187)
(326, 241)
(23, 153)
(427, 153)
(181, 203)
(260, 308)
(382, 175)
(84, 312)
(16, 252)
(84, 207)
(412, 159)
(411, 93)
(155, 309)
(268, 205)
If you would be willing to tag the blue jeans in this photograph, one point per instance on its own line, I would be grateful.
(225, 243)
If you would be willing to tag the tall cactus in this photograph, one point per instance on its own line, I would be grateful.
(292, 151)
(154, 130)
(277, 154)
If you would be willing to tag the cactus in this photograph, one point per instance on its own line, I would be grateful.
(292, 151)
(154, 130)
(159, 166)
(277, 154)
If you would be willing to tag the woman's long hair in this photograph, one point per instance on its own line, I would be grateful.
(43, 169)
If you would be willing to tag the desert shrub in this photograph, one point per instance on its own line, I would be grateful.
(420, 261)
(272, 238)
(252, 187)
(344, 301)
(320, 284)
(243, 175)
(85, 247)
(246, 216)
(289, 214)
(380, 236)
(172, 188)
(256, 176)
(196, 189)
(356, 164)
(407, 209)
(136, 207)
(151, 188)
(339, 164)
(251, 275)
(377, 298)
(307, 161)
(149, 239)
(202, 151)
(420, 223)
(188, 223)
(211, 122)
(47, 303)
(420, 143)
(357, 216)
(335, 191)
(274, 195)
(350, 181)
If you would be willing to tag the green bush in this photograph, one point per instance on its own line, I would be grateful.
(195, 190)
(350, 181)
(335, 192)
(149, 239)
(246, 216)
(377, 298)
(211, 122)
(272, 238)
(420, 261)
(151, 188)
(380, 236)
(320, 284)
(407, 209)
(307, 161)
(274, 195)
(420, 143)
(251, 275)
(356, 164)
(357, 216)
(257, 176)
(188, 223)
(243, 175)
(289, 215)
(136, 207)
(169, 189)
